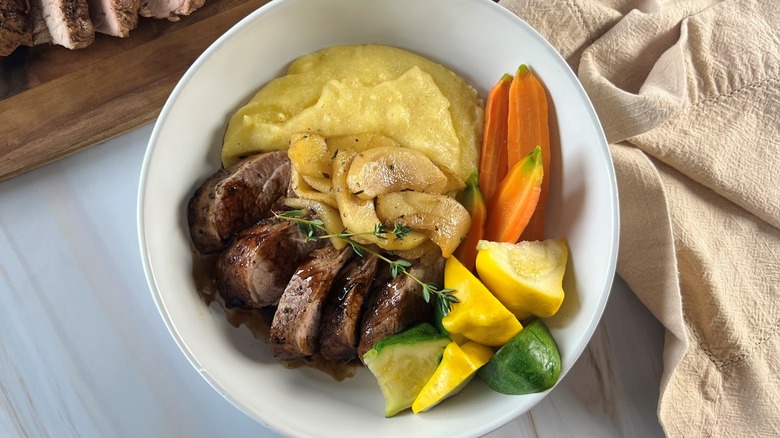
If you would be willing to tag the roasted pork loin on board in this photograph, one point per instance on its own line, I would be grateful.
(41, 33)
(73, 23)
(170, 9)
(114, 17)
(68, 22)
(15, 25)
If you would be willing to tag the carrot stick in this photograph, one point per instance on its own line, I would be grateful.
(527, 128)
(515, 199)
(493, 160)
(471, 198)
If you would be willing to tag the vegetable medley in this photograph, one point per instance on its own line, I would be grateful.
(503, 276)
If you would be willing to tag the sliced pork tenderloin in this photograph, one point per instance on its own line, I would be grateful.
(114, 17)
(398, 305)
(254, 270)
(344, 308)
(233, 199)
(68, 22)
(295, 330)
(41, 33)
(170, 9)
(15, 25)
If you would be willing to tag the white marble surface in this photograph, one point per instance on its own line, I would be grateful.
(84, 353)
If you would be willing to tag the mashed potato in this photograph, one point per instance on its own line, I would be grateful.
(364, 89)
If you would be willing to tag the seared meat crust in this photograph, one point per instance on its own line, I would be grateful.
(295, 330)
(344, 308)
(233, 199)
(254, 270)
(68, 22)
(15, 25)
(398, 305)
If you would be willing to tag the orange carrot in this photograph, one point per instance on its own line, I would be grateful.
(515, 199)
(528, 128)
(493, 160)
(471, 198)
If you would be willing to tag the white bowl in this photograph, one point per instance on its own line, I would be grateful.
(475, 38)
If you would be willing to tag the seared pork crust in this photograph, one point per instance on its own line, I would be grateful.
(254, 270)
(40, 32)
(233, 199)
(398, 305)
(295, 330)
(341, 317)
(15, 25)
(68, 22)
(73, 23)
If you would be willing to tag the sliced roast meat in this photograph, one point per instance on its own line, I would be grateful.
(114, 17)
(295, 330)
(341, 317)
(68, 22)
(233, 199)
(15, 25)
(398, 305)
(41, 33)
(254, 270)
(170, 9)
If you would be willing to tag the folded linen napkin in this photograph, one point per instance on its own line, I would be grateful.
(688, 93)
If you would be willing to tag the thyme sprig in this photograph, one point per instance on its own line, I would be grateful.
(314, 229)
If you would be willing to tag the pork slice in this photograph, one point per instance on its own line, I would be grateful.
(15, 25)
(170, 9)
(254, 270)
(295, 330)
(398, 305)
(114, 17)
(41, 33)
(233, 199)
(343, 309)
(68, 22)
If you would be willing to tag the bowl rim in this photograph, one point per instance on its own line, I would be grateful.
(149, 272)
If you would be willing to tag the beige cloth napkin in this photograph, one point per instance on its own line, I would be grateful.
(688, 93)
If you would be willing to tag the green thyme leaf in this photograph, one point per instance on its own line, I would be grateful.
(357, 248)
(401, 231)
(291, 213)
(314, 229)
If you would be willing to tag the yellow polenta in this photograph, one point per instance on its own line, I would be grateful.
(364, 89)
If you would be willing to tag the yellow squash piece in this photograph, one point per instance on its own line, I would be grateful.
(527, 277)
(458, 366)
(477, 315)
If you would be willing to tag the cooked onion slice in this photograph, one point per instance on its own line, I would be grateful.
(444, 219)
(383, 170)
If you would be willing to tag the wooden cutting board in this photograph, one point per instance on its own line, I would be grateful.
(55, 101)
